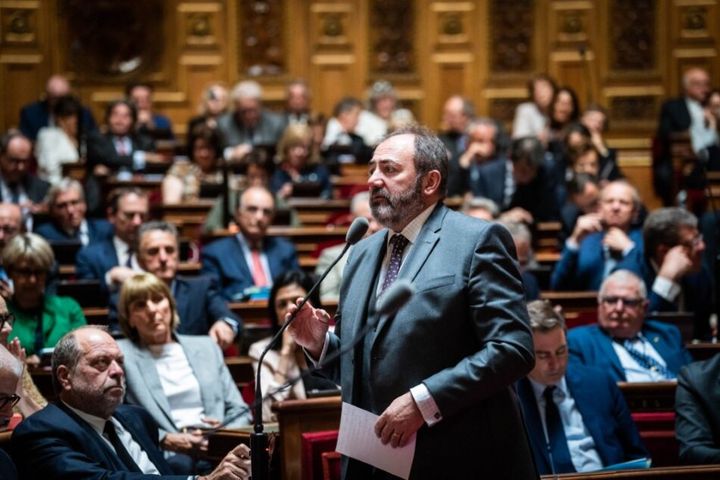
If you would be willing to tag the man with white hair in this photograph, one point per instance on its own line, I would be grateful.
(623, 343)
(249, 124)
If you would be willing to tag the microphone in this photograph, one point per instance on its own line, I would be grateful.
(258, 439)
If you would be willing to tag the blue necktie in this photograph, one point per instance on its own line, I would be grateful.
(398, 243)
(558, 446)
(646, 361)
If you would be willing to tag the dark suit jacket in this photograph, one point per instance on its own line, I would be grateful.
(604, 413)
(101, 151)
(98, 230)
(674, 117)
(224, 260)
(94, 260)
(591, 346)
(697, 295)
(455, 143)
(35, 188)
(7, 467)
(36, 115)
(464, 334)
(583, 269)
(537, 197)
(697, 423)
(55, 443)
(199, 305)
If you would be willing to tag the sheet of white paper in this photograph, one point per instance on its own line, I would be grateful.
(357, 440)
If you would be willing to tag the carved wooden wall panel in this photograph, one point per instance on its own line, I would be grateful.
(392, 37)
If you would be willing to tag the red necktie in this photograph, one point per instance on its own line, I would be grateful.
(258, 272)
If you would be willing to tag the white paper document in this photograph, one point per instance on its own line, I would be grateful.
(357, 440)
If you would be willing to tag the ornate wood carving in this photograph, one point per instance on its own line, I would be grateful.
(262, 37)
(633, 108)
(392, 31)
(503, 109)
(18, 26)
(633, 34)
(511, 35)
(113, 38)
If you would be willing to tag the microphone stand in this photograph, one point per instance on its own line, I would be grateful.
(259, 439)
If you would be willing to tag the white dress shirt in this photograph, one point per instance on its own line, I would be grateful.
(634, 372)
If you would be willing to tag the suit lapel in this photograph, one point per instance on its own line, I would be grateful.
(140, 436)
(368, 266)
(240, 262)
(585, 399)
(605, 342)
(152, 381)
(533, 423)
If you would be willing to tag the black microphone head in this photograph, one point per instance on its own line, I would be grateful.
(357, 230)
(394, 297)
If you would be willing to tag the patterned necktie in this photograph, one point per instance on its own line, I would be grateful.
(398, 243)
(558, 446)
(120, 449)
(646, 361)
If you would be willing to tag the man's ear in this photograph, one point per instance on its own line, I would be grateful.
(431, 182)
(63, 377)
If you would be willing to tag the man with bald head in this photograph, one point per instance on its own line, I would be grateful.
(17, 184)
(457, 114)
(686, 114)
(37, 115)
(89, 433)
(245, 264)
(10, 372)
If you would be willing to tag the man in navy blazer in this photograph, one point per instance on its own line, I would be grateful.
(201, 308)
(112, 260)
(10, 374)
(675, 274)
(36, 115)
(17, 184)
(602, 242)
(251, 258)
(532, 196)
(88, 433)
(596, 421)
(68, 221)
(623, 343)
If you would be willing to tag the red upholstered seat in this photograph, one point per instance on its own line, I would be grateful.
(313, 445)
(331, 465)
(657, 430)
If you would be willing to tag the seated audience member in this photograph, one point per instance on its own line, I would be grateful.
(11, 370)
(532, 117)
(576, 416)
(583, 197)
(523, 186)
(249, 124)
(601, 242)
(181, 380)
(10, 225)
(60, 143)
(482, 208)
(342, 142)
(113, 260)
(684, 114)
(383, 104)
(39, 114)
(248, 261)
(595, 119)
(564, 110)
(297, 103)
(697, 417)
(674, 270)
(148, 123)
(67, 208)
(121, 147)
(485, 143)
(184, 181)
(522, 238)
(17, 184)
(40, 319)
(213, 104)
(457, 114)
(285, 361)
(298, 164)
(89, 433)
(623, 343)
(330, 287)
(201, 308)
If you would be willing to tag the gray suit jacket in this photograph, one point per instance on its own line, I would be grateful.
(220, 396)
(464, 334)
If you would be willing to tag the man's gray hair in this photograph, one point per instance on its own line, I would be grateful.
(518, 231)
(430, 153)
(662, 227)
(481, 203)
(543, 317)
(625, 277)
(68, 353)
(361, 198)
(247, 89)
(64, 185)
(637, 201)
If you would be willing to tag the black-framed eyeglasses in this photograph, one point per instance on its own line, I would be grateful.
(8, 318)
(10, 400)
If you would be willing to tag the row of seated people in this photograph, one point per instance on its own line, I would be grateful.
(576, 417)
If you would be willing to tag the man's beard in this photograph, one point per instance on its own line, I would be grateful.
(395, 209)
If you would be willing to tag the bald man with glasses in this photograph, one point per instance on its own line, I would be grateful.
(623, 342)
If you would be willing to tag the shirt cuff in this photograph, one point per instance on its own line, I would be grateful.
(110, 284)
(666, 288)
(232, 322)
(426, 404)
(317, 362)
(572, 245)
(138, 160)
(628, 249)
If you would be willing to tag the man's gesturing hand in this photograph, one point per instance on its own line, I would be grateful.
(309, 327)
(399, 421)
